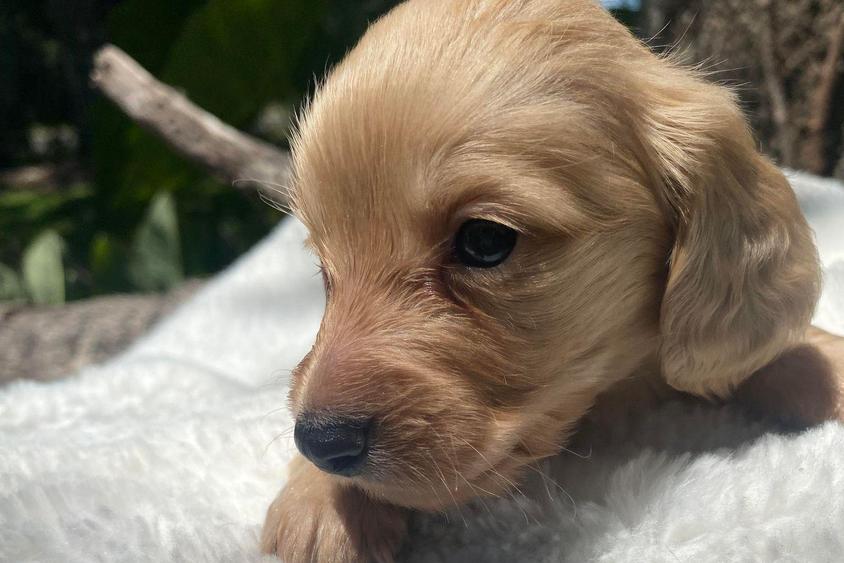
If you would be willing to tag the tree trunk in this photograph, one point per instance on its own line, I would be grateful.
(784, 58)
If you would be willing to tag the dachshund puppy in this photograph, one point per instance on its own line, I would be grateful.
(518, 206)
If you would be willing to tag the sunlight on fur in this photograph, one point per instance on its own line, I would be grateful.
(651, 238)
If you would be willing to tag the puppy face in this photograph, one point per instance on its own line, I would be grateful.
(495, 190)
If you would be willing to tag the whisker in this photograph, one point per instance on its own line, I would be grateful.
(474, 488)
(508, 490)
(264, 186)
(271, 442)
(445, 484)
(282, 189)
(273, 203)
(491, 467)
(425, 480)
(272, 412)
(547, 479)
(557, 446)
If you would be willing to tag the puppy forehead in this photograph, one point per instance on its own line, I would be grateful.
(432, 113)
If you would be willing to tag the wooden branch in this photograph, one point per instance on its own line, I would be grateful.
(814, 149)
(224, 151)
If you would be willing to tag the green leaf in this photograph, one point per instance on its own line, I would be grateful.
(156, 259)
(11, 288)
(43, 271)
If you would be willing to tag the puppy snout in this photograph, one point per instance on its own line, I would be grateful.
(338, 447)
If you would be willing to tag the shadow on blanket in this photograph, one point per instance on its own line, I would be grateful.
(622, 463)
(637, 490)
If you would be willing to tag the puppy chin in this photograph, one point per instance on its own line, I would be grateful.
(439, 490)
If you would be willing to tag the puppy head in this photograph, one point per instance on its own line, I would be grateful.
(516, 205)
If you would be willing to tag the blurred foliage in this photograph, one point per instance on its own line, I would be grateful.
(156, 261)
(11, 287)
(135, 216)
(43, 270)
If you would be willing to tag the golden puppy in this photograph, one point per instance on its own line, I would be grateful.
(517, 206)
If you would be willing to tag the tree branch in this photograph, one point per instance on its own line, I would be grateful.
(224, 151)
(814, 149)
(774, 84)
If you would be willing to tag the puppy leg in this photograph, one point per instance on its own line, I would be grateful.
(316, 519)
(804, 386)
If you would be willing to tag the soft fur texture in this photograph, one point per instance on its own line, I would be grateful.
(655, 243)
(169, 453)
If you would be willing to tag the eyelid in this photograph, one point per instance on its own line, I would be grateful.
(487, 212)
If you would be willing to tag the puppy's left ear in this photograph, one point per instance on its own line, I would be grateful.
(743, 275)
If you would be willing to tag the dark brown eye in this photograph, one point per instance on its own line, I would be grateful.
(484, 244)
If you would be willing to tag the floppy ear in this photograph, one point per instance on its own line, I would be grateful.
(743, 274)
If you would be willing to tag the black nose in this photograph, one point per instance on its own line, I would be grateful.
(335, 447)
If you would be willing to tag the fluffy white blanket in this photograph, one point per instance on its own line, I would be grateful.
(172, 451)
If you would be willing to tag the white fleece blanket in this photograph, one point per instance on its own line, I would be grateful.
(172, 451)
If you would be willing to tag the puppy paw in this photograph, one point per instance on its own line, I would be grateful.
(314, 519)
